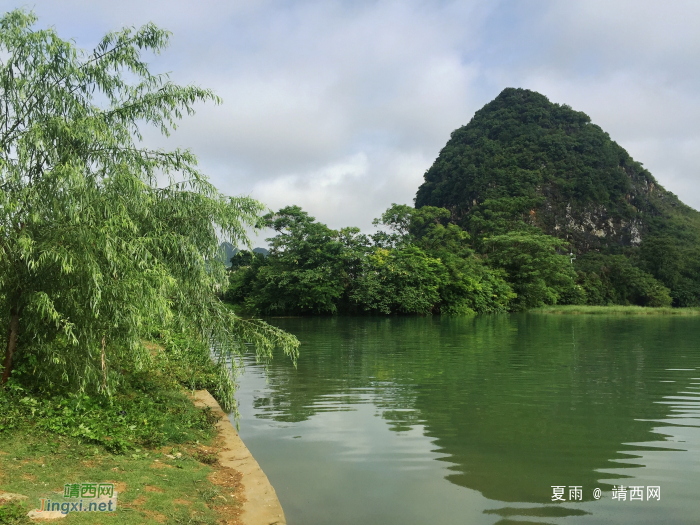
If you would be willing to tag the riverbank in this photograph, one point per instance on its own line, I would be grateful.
(259, 504)
(164, 454)
(614, 310)
(218, 482)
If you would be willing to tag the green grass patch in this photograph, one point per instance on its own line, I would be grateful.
(14, 513)
(614, 310)
(152, 488)
(147, 438)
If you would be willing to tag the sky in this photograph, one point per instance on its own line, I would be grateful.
(341, 106)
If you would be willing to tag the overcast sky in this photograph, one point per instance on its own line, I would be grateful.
(341, 106)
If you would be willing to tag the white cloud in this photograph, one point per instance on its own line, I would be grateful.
(341, 106)
(349, 192)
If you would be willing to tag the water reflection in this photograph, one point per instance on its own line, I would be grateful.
(511, 404)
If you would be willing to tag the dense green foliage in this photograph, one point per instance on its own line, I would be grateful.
(675, 261)
(525, 159)
(538, 273)
(418, 263)
(149, 410)
(613, 279)
(519, 146)
(305, 271)
(14, 513)
(102, 239)
(469, 284)
(524, 164)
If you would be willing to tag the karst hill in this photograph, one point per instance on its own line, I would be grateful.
(547, 164)
(523, 161)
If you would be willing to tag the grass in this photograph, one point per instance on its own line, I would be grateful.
(148, 439)
(615, 310)
(152, 487)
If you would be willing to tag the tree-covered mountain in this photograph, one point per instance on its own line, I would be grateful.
(228, 251)
(509, 198)
(524, 162)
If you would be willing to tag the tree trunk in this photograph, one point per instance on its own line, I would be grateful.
(11, 345)
(104, 369)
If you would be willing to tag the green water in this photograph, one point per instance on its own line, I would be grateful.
(442, 420)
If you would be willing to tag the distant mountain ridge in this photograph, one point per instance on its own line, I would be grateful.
(229, 250)
(527, 159)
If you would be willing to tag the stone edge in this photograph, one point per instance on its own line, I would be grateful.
(262, 507)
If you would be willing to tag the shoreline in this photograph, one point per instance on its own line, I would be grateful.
(154, 484)
(261, 505)
(569, 309)
(615, 310)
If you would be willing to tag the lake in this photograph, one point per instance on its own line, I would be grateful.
(430, 420)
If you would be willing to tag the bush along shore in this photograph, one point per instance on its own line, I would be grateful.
(148, 440)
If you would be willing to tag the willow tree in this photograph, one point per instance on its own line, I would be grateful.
(101, 237)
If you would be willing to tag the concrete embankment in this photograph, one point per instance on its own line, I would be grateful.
(261, 506)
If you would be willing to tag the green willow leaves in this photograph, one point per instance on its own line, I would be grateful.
(101, 238)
